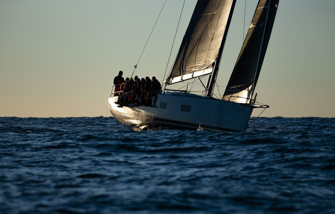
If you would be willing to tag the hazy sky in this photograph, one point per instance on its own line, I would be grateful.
(59, 57)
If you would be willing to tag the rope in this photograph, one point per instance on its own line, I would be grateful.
(245, 11)
(261, 112)
(174, 39)
(218, 88)
(252, 90)
(146, 43)
(252, 122)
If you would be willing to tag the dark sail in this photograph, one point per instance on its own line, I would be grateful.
(201, 44)
(244, 78)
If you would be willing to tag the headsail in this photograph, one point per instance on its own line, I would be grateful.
(244, 78)
(201, 44)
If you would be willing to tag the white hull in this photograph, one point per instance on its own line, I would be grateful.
(178, 110)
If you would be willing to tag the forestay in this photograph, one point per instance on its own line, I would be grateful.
(203, 39)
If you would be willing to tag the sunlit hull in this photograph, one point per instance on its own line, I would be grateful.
(184, 111)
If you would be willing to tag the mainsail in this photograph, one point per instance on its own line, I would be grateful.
(244, 78)
(203, 40)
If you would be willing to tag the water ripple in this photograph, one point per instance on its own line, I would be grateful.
(96, 165)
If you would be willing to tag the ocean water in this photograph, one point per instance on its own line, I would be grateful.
(96, 165)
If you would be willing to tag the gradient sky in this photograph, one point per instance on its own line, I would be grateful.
(58, 58)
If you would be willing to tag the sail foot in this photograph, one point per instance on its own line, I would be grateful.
(190, 76)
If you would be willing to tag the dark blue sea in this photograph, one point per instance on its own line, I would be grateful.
(96, 165)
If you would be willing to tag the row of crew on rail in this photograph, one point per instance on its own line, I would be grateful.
(136, 92)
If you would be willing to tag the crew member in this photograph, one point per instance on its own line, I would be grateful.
(118, 81)
(156, 89)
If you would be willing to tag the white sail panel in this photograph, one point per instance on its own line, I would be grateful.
(203, 72)
(191, 75)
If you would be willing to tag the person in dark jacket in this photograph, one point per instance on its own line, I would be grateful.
(118, 81)
(156, 89)
(147, 91)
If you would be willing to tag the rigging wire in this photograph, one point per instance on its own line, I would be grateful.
(245, 11)
(252, 90)
(146, 43)
(174, 39)
(261, 112)
(218, 88)
(252, 121)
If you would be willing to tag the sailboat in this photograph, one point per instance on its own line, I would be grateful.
(199, 55)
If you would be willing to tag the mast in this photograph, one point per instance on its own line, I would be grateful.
(244, 77)
(203, 42)
(212, 78)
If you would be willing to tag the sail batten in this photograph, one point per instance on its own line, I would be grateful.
(201, 44)
(245, 74)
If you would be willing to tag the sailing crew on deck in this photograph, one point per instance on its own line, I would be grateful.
(147, 92)
(118, 81)
(136, 92)
(156, 89)
(125, 97)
